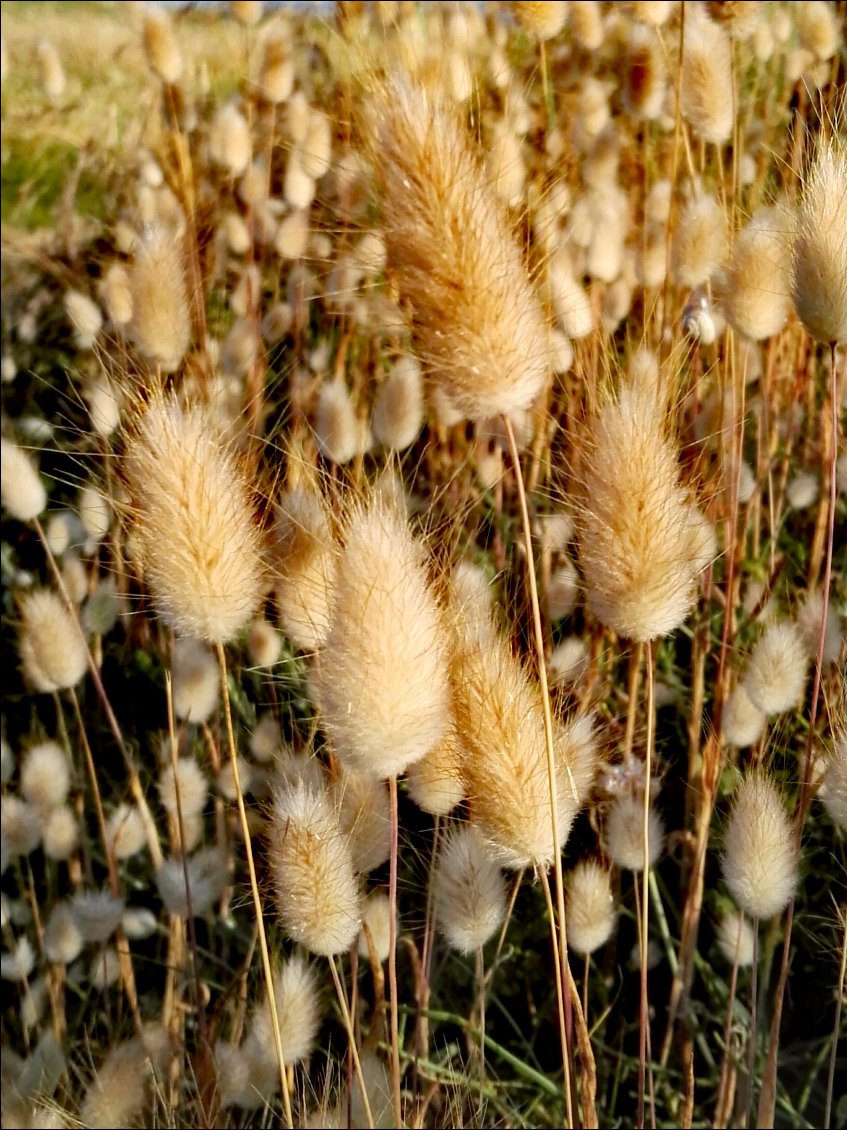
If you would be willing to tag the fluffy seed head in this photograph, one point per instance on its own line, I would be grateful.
(833, 791)
(160, 45)
(298, 1012)
(45, 775)
(21, 488)
(362, 806)
(196, 681)
(97, 914)
(207, 877)
(52, 72)
(399, 406)
(118, 1091)
(52, 649)
(305, 562)
(469, 891)
(499, 713)
(336, 426)
(743, 723)
(587, 24)
(589, 907)
(377, 917)
(645, 76)
(757, 287)
(625, 833)
(641, 540)
(230, 144)
(735, 938)
(85, 315)
(60, 832)
(477, 324)
(699, 241)
(276, 74)
(125, 831)
(383, 678)
(436, 782)
(264, 644)
(817, 29)
(62, 940)
(760, 861)
(312, 868)
(160, 326)
(21, 829)
(191, 783)
(820, 247)
(706, 94)
(775, 678)
(543, 18)
(198, 542)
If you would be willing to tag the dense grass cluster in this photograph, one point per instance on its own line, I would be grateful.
(423, 555)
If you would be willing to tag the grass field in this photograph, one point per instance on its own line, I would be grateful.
(424, 545)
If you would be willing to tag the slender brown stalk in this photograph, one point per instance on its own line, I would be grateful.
(351, 1037)
(767, 1098)
(644, 1011)
(254, 887)
(560, 944)
(396, 1096)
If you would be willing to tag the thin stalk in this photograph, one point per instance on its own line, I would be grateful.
(351, 1037)
(254, 887)
(836, 1028)
(396, 1096)
(720, 1106)
(134, 780)
(754, 1021)
(560, 945)
(767, 1098)
(644, 1014)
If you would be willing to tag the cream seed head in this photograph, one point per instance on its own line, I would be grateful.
(436, 782)
(376, 917)
(196, 681)
(833, 791)
(589, 907)
(706, 91)
(52, 649)
(760, 859)
(21, 488)
(312, 868)
(208, 873)
(191, 783)
(305, 561)
(118, 1091)
(59, 832)
(775, 679)
(126, 834)
(819, 277)
(625, 833)
(743, 723)
(383, 681)
(758, 283)
(735, 938)
(45, 775)
(160, 326)
(298, 1012)
(161, 46)
(85, 317)
(542, 18)
(699, 241)
(21, 829)
(362, 805)
(97, 914)
(477, 325)
(642, 541)
(62, 940)
(194, 523)
(337, 428)
(398, 412)
(469, 891)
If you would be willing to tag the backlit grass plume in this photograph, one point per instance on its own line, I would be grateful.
(383, 673)
(820, 247)
(642, 539)
(477, 324)
(199, 545)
